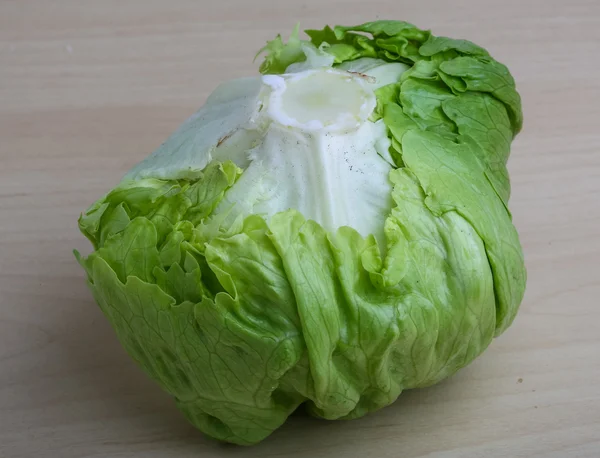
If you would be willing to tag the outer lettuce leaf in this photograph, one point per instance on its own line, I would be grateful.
(176, 308)
(211, 133)
(453, 179)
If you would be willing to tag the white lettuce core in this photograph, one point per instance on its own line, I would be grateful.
(304, 141)
(319, 100)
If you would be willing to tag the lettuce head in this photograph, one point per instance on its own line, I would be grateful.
(328, 234)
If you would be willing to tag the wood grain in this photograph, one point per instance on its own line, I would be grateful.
(88, 88)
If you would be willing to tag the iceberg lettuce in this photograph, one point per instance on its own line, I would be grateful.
(329, 233)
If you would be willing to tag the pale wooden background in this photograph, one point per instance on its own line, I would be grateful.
(87, 88)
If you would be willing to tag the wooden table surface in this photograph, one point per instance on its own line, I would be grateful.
(88, 88)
